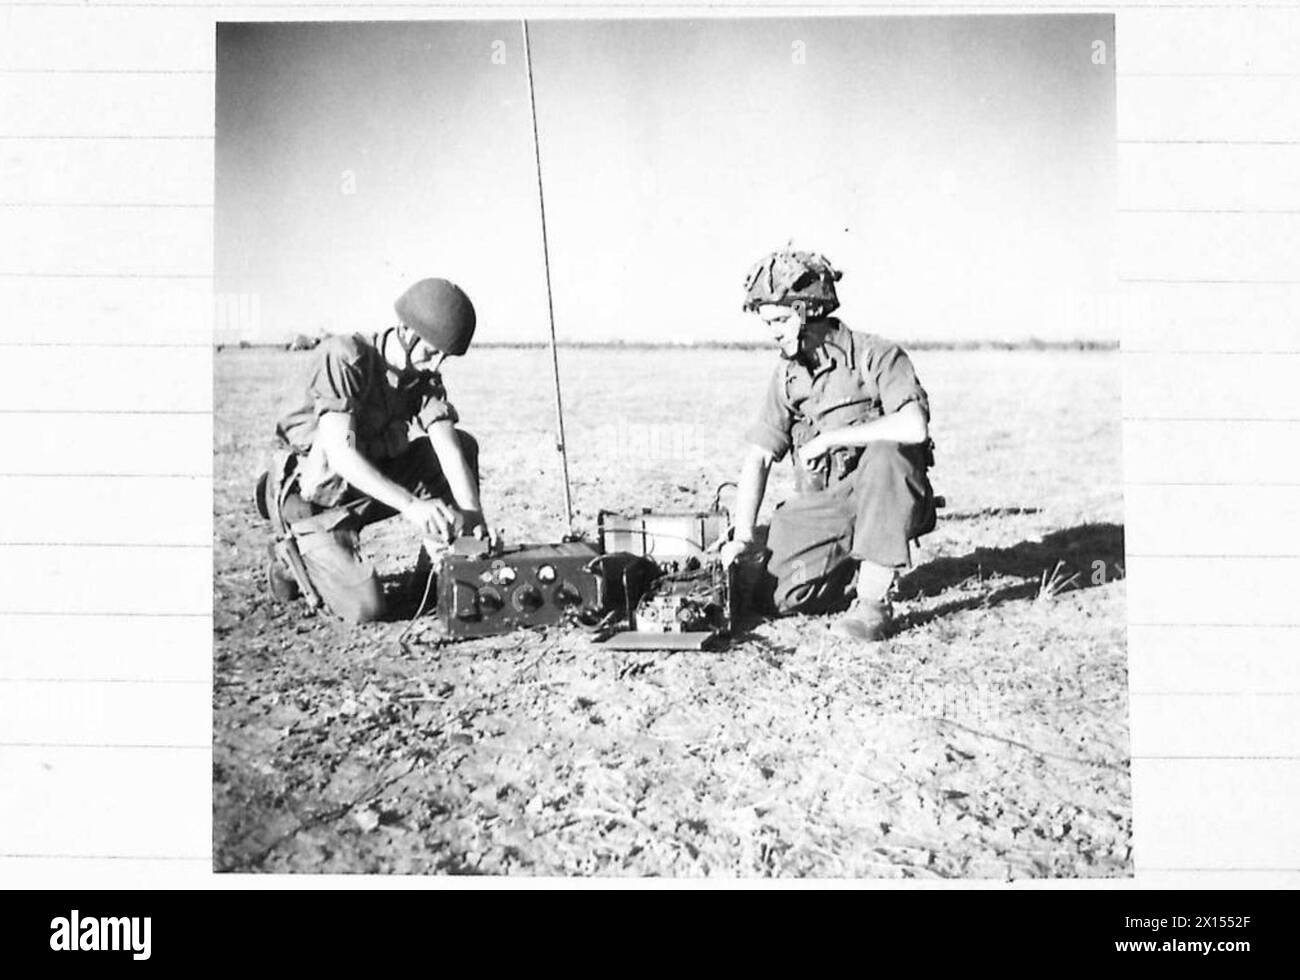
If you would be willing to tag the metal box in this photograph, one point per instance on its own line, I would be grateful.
(530, 585)
(665, 537)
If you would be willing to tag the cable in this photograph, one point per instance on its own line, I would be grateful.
(717, 494)
(424, 600)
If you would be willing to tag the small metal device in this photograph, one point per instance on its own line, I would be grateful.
(662, 575)
(677, 605)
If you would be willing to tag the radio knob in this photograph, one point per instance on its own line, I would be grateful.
(526, 598)
(567, 594)
(489, 599)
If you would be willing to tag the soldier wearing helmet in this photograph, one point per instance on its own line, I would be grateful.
(374, 436)
(850, 410)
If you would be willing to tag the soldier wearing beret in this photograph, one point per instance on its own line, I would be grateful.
(850, 409)
(374, 436)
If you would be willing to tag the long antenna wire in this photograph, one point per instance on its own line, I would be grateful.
(550, 304)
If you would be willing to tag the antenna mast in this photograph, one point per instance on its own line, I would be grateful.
(550, 304)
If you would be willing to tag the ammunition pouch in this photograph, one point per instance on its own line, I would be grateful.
(831, 470)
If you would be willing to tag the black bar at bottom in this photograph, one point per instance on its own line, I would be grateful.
(589, 930)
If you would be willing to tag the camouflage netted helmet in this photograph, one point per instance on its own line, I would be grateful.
(802, 280)
(440, 313)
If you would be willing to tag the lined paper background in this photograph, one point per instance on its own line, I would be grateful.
(106, 153)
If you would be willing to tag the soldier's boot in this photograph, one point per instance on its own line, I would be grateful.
(866, 622)
(870, 618)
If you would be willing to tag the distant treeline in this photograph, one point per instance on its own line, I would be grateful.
(1030, 344)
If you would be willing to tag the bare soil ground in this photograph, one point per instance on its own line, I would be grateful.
(989, 738)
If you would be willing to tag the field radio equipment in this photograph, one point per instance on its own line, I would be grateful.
(652, 579)
(483, 592)
(669, 590)
(682, 605)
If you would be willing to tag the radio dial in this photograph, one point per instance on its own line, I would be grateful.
(526, 598)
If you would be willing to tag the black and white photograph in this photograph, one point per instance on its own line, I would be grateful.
(669, 447)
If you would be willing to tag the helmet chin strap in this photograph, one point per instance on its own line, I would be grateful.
(406, 340)
(808, 313)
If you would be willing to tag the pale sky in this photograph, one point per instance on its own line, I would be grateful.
(959, 170)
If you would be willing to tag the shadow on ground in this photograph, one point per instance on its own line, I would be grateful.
(1092, 554)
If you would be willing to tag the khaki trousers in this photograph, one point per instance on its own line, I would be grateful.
(328, 538)
(817, 538)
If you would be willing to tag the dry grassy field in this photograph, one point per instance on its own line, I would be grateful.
(988, 738)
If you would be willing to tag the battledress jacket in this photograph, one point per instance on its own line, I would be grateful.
(352, 376)
(841, 378)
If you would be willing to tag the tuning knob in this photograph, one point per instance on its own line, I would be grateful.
(526, 598)
(490, 599)
(567, 594)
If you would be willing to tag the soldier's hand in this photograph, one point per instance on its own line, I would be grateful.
(733, 550)
(433, 517)
(492, 536)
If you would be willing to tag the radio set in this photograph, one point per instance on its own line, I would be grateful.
(652, 583)
(677, 595)
(676, 606)
(486, 593)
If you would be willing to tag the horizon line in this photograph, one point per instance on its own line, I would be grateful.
(1027, 344)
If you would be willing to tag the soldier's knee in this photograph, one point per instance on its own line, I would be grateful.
(891, 456)
(348, 586)
(362, 603)
(795, 593)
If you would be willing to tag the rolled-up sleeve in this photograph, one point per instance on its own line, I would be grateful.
(895, 378)
(771, 429)
(338, 383)
(436, 407)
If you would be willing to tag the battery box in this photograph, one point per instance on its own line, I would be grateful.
(663, 536)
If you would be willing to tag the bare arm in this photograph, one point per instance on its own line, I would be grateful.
(908, 426)
(464, 488)
(749, 497)
(749, 494)
(337, 434)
